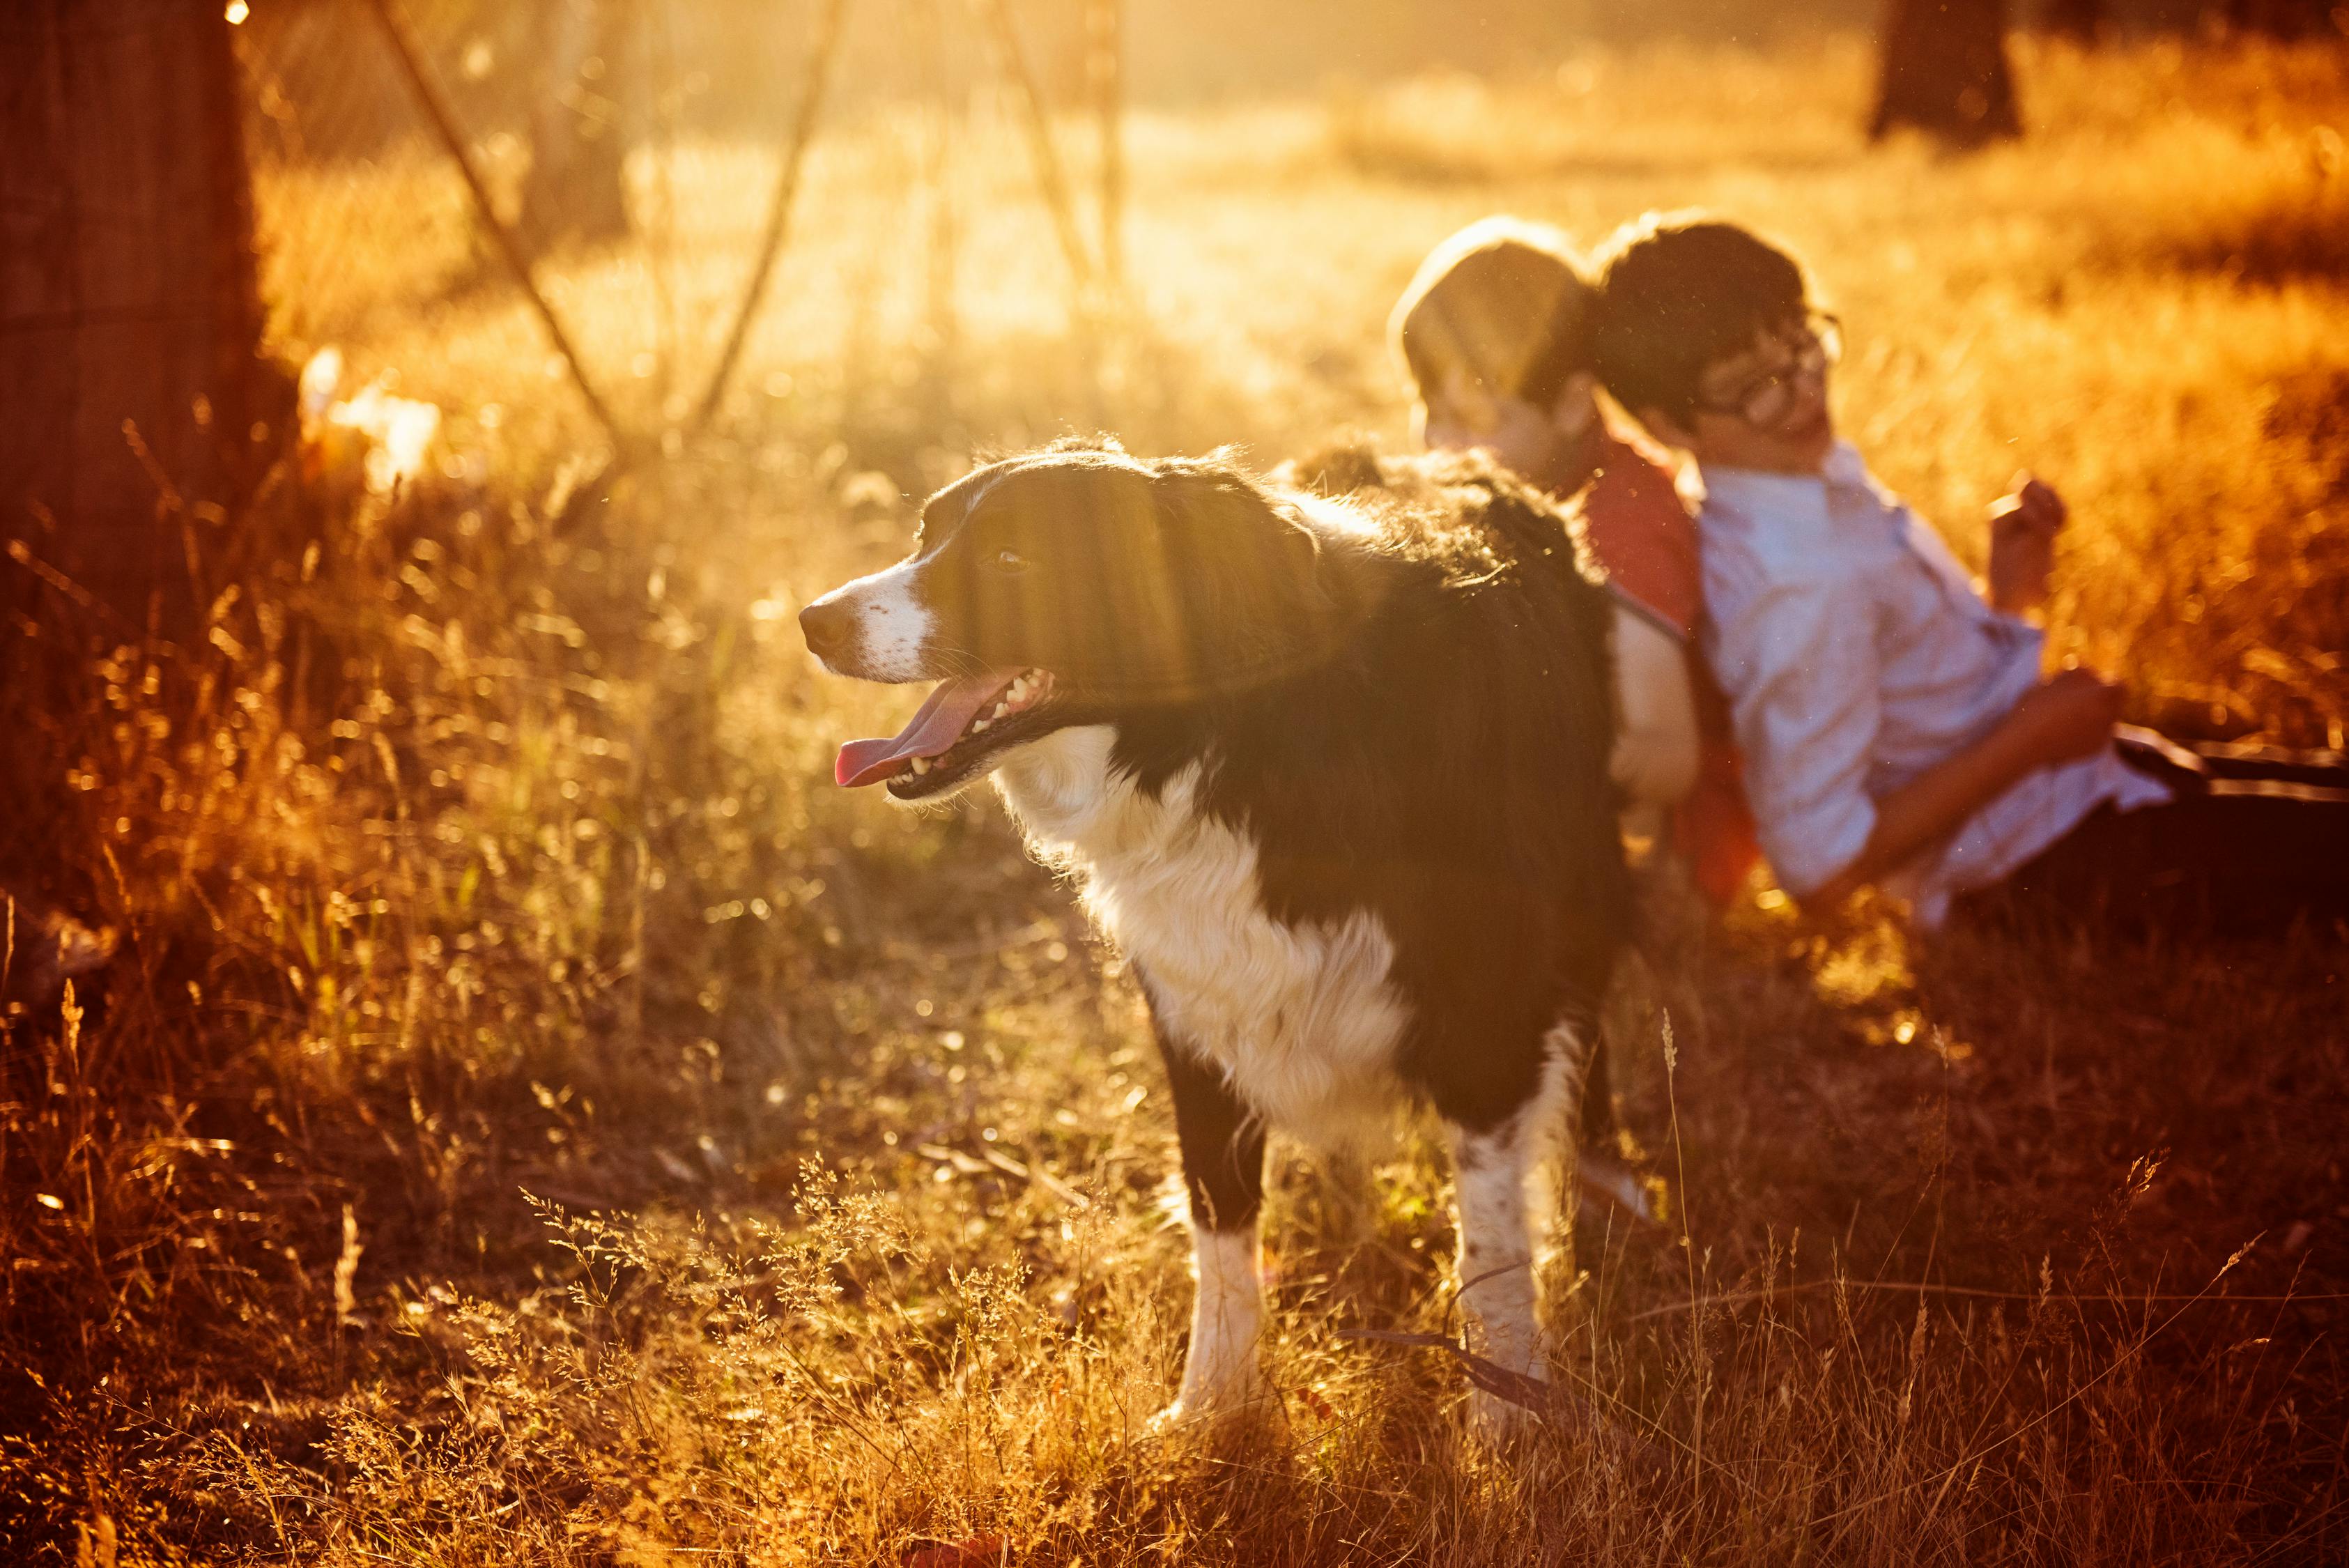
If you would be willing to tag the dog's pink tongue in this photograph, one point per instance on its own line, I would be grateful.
(937, 726)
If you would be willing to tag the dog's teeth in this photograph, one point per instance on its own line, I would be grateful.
(921, 766)
(979, 726)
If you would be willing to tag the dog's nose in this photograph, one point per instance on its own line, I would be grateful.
(829, 627)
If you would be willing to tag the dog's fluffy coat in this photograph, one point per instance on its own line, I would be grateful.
(1328, 757)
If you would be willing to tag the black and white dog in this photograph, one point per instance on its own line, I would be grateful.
(1332, 773)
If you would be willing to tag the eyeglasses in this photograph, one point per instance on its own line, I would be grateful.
(1766, 397)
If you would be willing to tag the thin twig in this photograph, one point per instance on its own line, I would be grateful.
(22, 554)
(778, 211)
(1045, 154)
(2045, 1416)
(1534, 1396)
(1697, 1365)
(508, 247)
(1927, 1287)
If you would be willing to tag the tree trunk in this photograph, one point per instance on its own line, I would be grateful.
(2287, 18)
(576, 188)
(2081, 21)
(1944, 72)
(136, 399)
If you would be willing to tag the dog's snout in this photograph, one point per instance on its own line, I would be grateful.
(874, 628)
(829, 627)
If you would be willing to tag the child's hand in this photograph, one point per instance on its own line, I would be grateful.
(2023, 529)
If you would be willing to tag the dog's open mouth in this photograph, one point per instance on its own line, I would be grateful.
(965, 720)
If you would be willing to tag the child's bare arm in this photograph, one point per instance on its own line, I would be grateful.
(1655, 758)
(2070, 714)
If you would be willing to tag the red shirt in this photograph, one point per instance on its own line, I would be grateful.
(1647, 541)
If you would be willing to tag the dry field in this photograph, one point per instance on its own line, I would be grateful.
(533, 1118)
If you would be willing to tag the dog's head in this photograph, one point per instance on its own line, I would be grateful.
(1067, 587)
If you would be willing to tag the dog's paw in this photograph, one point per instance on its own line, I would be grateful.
(1180, 1417)
(1497, 1423)
(1222, 1414)
(1506, 1407)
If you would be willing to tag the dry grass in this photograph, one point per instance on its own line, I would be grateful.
(535, 1119)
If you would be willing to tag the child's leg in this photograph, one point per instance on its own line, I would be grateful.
(2246, 860)
(2215, 761)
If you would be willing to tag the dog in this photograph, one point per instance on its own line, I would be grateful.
(1327, 755)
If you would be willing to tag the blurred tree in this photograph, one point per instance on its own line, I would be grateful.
(1942, 69)
(576, 190)
(2081, 21)
(2288, 18)
(137, 399)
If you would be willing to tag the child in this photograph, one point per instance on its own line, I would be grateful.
(1896, 727)
(1495, 333)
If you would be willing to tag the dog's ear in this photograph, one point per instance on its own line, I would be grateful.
(1305, 546)
(1340, 468)
(943, 510)
(1345, 571)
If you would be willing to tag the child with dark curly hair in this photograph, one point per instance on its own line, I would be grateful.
(1897, 728)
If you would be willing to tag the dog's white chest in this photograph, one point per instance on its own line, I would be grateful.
(1303, 1019)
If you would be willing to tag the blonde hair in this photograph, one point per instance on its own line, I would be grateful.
(1504, 301)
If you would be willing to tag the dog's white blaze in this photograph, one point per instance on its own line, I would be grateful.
(1507, 1178)
(892, 625)
(1222, 1372)
(1301, 1018)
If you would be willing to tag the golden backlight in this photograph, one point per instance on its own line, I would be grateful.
(512, 1108)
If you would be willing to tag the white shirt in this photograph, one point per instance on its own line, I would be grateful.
(1856, 655)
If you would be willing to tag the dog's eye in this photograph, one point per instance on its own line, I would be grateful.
(1009, 562)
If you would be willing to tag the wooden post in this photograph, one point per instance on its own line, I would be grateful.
(778, 211)
(1944, 70)
(444, 127)
(1013, 62)
(136, 399)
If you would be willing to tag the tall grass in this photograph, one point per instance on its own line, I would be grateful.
(533, 1118)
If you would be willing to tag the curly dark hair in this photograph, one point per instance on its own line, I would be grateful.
(1678, 291)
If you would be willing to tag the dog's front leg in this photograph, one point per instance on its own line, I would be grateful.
(1499, 1166)
(1491, 1169)
(1222, 1169)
